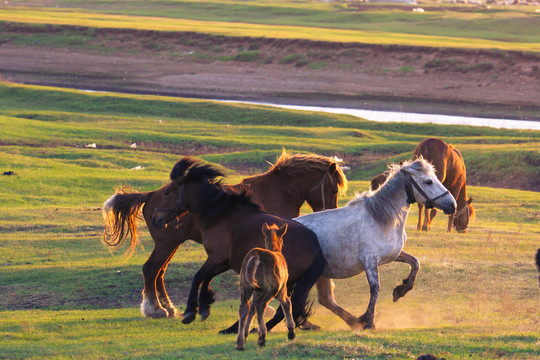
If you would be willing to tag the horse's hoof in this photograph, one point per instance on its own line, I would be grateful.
(240, 348)
(231, 330)
(204, 314)
(399, 292)
(158, 314)
(189, 317)
(291, 335)
(309, 326)
(366, 322)
(172, 313)
(425, 228)
(261, 342)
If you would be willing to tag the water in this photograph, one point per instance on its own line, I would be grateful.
(392, 116)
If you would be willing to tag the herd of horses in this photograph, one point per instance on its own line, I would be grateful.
(230, 221)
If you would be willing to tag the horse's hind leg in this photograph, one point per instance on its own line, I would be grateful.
(325, 288)
(287, 310)
(408, 283)
(155, 302)
(160, 287)
(372, 273)
(261, 306)
(243, 326)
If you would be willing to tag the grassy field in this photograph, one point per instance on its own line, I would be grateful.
(66, 296)
(441, 25)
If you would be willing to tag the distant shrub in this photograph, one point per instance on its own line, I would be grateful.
(301, 62)
(91, 31)
(317, 65)
(404, 69)
(485, 66)
(289, 59)
(247, 56)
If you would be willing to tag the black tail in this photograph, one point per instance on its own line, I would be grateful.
(301, 307)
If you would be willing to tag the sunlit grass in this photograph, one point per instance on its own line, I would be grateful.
(235, 28)
(65, 295)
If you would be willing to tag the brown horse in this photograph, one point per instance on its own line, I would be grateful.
(263, 276)
(281, 190)
(231, 226)
(450, 170)
(377, 181)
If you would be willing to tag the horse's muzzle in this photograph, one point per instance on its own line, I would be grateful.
(158, 223)
(449, 209)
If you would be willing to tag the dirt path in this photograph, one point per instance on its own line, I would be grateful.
(484, 83)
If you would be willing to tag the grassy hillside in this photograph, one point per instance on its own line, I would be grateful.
(446, 25)
(230, 134)
(66, 296)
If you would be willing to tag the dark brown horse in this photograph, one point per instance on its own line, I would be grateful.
(263, 277)
(281, 190)
(450, 170)
(231, 226)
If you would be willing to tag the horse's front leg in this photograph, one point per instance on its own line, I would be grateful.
(209, 269)
(430, 215)
(450, 222)
(155, 304)
(325, 288)
(420, 210)
(207, 295)
(372, 273)
(408, 283)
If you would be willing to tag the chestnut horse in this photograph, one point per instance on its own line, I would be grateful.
(450, 170)
(231, 226)
(281, 190)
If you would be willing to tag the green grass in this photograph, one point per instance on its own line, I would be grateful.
(474, 28)
(66, 296)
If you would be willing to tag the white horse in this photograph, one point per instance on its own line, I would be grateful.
(370, 231)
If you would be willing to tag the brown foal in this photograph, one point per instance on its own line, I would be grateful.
(264, 276)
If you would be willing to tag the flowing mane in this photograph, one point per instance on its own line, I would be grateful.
(213, 201)
(377, 202)
(299, 164)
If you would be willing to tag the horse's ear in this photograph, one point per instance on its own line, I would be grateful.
(282, 230)
(332, 168)
(265, 229)
(469, 201)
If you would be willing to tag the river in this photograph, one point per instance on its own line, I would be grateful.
(392, 116)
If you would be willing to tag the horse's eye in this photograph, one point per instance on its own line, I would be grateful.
(429, 182)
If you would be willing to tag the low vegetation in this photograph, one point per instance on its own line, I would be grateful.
(66, 295)
(454, 26)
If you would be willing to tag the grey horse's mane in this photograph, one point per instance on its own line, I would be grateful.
(379, 202)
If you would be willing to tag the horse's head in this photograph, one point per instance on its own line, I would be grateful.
(423, 186)
(273, 236)
(463, 216)
(324, 194)
(176, 200)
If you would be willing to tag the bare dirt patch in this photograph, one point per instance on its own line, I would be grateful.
(403, 78)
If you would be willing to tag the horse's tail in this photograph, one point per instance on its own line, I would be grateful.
(252, 265)
(121, 212)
